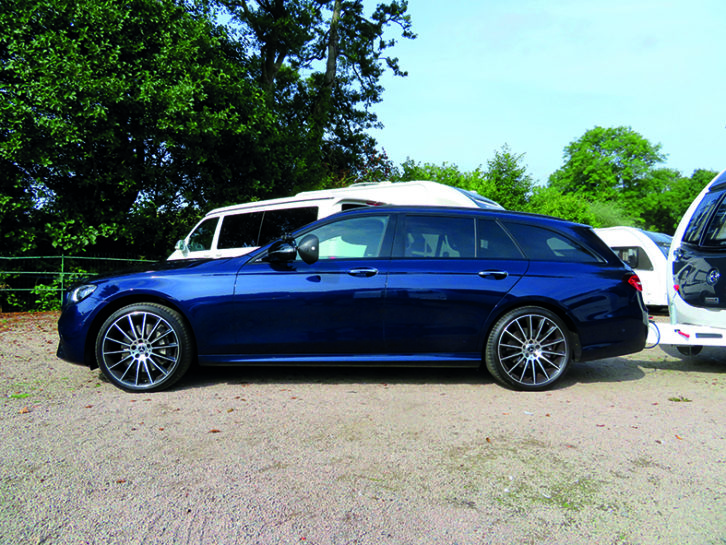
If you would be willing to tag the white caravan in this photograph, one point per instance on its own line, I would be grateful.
(239, 229)
(647, 253)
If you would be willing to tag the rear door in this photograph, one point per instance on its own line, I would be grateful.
(700, 261)
(447, 273)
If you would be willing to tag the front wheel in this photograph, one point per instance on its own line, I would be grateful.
(144, 347)
(528, 349)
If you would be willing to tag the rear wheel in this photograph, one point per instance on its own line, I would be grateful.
(144, 347)
(528, 349)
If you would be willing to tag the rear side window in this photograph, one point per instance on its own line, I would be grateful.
(276, 223)
(240, 230)
(438, 237)
(493, 242)
(634, 256)
(697, 224)
(544, 245)
(202, 237)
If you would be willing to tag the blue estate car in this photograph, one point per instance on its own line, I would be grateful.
(398, 286)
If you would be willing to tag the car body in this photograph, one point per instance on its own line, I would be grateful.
(647, 253)
(697, 260)
(391, 286)
(239, 229)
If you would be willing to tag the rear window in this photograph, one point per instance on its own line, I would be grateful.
(545, 245)
(716, 230)
(494, 243)
(697, 224)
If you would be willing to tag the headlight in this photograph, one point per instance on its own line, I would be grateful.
(81, 292)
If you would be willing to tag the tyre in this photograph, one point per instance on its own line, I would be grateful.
(528, 349)
(144, 347)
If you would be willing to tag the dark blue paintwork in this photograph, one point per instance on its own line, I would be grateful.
(373, 310)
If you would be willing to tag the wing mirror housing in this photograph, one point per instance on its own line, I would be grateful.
(282, 251)
(309, 249)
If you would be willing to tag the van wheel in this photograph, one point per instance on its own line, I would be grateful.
(528, 349)
(144, 347)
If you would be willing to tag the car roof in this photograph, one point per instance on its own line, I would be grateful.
(451, 210)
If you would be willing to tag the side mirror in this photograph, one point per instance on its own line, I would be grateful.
(309, 249)
(181, 246)
(282, 251)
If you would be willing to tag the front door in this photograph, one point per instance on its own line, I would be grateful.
(333, 307)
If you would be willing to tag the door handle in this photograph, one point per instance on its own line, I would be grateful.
(496, 275)
(363, 272)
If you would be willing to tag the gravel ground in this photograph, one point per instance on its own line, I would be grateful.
(625, 451)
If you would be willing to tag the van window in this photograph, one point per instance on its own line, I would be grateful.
(240, 230)
(634, 256)
(696, 226)
(276, 223)
(716, 231)
(545, 245)
(202, 237)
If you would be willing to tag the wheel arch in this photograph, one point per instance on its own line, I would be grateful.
(547, 304)
(98, 320)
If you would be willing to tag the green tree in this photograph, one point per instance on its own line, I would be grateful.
(319, 63)
(608, 164)
(662, 210)
(570, 206)
(507, 179)
(105, 102)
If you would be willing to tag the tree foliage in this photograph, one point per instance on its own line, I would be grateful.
(120, 114)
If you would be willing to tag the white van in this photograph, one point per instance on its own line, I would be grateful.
(647, 253)
(697, 261)
(239, 229)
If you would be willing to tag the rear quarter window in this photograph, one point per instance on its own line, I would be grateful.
(541, 244)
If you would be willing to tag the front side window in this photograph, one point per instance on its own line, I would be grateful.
(545, 245)
(203, 236)
(277, 223)
(438, 237)
(351, 238)
(240, 231)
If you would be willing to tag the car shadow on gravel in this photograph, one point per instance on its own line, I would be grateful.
(611, 370)
(208, 376)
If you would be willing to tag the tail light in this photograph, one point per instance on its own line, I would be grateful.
(634, 281)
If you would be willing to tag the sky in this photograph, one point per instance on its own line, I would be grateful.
(537, 74)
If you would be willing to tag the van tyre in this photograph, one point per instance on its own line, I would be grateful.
(528, 349)
(144, 347)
